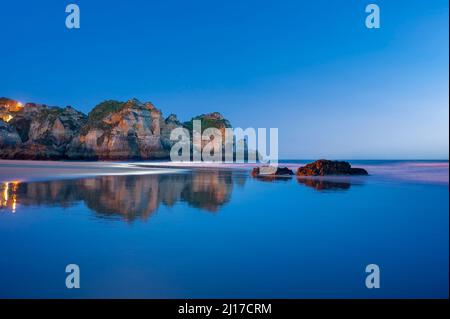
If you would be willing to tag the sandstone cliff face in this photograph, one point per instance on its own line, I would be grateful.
(167, 125)
(44, 132)
(55, 126)
(113, 130)
(216, 138)
(116, 131)
(8, 135)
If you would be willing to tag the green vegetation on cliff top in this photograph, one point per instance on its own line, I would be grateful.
(100, 111)
(208, 120)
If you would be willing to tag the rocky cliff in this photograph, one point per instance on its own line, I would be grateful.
(117, 130)
(39, 132)
(113, 130)
(8, 108)
(9, 138)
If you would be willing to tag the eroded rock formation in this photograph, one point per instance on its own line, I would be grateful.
(116, 131)
(44, 132)
(327, 167)
(113, 130)
(9, 138)
(270, 173)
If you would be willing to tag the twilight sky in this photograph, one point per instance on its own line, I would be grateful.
(334, 88)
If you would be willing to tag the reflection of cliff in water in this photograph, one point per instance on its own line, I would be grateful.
(132, 196)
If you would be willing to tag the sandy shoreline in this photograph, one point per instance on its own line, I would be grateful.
(12, 170)
(29, 170)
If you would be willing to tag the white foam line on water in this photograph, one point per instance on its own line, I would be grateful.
(39, 170)
(197, 164)
(135, 172)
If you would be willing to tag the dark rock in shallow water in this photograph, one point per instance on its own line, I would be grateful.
(327, 167)
(358, 171)
(284, 171)
(271, 171)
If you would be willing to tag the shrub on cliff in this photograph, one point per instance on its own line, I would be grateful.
(100, 111)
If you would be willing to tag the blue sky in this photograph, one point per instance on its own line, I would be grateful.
(332, 87)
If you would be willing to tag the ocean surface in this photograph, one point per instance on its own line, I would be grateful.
(158, 230)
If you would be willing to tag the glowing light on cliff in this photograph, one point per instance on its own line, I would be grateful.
(16, 107)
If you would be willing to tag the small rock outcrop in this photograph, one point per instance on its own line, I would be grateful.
(271, 171)
(327, 167)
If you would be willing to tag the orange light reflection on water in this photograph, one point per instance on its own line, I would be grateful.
(9, 195)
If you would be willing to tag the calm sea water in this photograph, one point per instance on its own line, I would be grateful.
(209, 233)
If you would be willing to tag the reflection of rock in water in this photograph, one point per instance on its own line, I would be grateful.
(59, 192)
(129, 196)
(209, 189)
(321, 184)
(273, 178)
